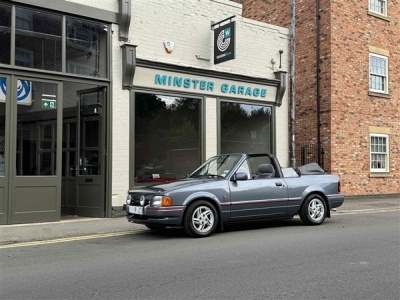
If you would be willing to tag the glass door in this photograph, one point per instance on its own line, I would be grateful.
(90, 171)
(36, 150)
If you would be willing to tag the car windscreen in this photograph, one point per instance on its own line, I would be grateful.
(218, 166)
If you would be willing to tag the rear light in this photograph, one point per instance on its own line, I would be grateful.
(339, 187)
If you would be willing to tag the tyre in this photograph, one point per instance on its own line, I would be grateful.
(201, 219)
(156, 227)
(313, 211)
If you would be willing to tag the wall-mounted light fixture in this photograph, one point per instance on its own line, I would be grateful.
(280, 59)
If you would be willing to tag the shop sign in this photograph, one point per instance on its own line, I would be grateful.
(224, 43)
(215, 87)
(24, 91)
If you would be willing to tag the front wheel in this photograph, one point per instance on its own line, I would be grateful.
(201, 219)
(313, 211)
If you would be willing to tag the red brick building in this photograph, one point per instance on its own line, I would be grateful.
(359, 86)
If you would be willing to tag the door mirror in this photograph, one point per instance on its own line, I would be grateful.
(239, 176)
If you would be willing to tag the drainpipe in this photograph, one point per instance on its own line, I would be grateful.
(292, 83)
(318, 17)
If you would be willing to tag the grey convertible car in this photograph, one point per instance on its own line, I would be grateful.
(234, 188)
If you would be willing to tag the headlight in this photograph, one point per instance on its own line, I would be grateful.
(159, 201)
(128, 199)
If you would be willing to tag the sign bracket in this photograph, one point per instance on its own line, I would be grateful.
(219, 23)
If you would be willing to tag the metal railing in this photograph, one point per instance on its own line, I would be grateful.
(308, 153)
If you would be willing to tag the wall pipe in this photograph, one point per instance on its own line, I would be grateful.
(292, 84)
(318, 18)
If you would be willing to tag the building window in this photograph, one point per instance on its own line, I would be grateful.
(379, 149)
(378, 7)
(378, 73)
(5, 39)
(245, 128)
(167, 137)
(86, 47)
(38, 39)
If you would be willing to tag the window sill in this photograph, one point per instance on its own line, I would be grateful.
(381, 95)
(385, 18)
(380, 175)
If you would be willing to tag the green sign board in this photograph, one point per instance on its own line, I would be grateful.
(49, 104)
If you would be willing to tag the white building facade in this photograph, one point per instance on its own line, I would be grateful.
(139, 98)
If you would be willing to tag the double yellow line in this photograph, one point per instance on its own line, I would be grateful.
(137, 231)
(70, 239)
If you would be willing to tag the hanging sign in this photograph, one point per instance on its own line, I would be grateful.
(224, 42)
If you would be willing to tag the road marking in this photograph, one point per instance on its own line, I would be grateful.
(365, 211)
(71, 239)
(137, 231)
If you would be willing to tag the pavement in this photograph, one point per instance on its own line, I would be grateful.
(74, 226)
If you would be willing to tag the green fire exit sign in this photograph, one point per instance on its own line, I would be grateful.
(49, 104)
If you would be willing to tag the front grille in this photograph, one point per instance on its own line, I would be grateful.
(136, 200)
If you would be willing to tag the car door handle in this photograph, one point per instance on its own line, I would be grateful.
(278, 184)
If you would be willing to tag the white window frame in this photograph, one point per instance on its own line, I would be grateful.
(378, 7)
(385, 76)
(379, 153)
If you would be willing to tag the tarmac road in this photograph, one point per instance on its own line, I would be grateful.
(74, 226)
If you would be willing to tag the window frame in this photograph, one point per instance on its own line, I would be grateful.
(385, 76)
(386, 153)
(371, 5)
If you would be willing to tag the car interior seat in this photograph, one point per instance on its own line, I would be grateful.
(265, 171)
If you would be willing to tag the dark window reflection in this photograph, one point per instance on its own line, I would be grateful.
(167, 137)
(86, 48)
(5, 34)
(245, 128)
(36, 128)
(38, 40)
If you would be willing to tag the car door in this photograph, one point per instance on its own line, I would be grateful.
(258, 198)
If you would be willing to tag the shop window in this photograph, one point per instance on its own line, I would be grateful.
(245, 128)
(378, 7)
(86, 48)
(379, 151)
(38, 34)
(167, 137)
(378, 77)
(5, 32)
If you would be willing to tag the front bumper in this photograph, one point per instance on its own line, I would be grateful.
(168, 216)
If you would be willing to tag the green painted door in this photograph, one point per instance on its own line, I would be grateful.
(90, 175)
(35, 150)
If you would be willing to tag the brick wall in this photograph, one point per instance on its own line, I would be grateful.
(347, 33)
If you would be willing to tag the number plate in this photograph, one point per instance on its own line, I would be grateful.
(136, 210)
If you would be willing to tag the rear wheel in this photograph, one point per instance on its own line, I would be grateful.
(313, 211)
(201, 219)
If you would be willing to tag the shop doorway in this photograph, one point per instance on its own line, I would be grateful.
(30, 131)
(83, 154)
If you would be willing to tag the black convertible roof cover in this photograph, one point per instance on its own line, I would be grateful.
(310, 169)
